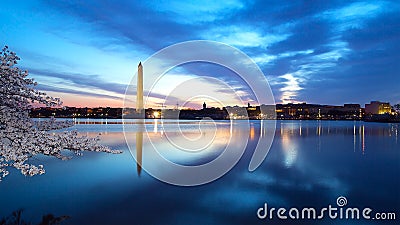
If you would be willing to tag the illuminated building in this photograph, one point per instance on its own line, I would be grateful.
(376, 107)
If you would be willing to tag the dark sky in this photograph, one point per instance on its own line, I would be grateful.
(328, 52)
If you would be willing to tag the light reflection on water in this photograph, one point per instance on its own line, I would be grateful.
(310, 163)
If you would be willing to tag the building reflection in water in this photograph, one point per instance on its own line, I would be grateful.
(363, 139)
(321, 129)
(300, 129)
(289, 133)
(155, 129)
(252, 132)
(319, 132)
(354, 137)
(361, 134)
(288, 144)
(231, 128)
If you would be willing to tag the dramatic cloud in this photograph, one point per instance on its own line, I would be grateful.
(322, 52)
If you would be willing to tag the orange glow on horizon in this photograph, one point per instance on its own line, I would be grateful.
(82, 101)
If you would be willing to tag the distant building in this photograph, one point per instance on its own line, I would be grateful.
(267, 111)
(375, 111)
(376, 107)
(237, 112)
(351, 108)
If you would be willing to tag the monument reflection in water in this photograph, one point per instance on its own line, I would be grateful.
(311, 163)
(139, 148)
(288, 133)
(191, 143)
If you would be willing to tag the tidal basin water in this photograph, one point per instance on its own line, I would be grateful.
(310, 164)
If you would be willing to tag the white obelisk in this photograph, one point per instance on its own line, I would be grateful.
(139, 93)
(139, 109)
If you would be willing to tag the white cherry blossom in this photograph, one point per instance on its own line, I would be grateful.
(20, 137)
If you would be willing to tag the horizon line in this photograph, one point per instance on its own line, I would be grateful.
(173, 106)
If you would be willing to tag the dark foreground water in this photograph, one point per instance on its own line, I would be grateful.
(310, 164)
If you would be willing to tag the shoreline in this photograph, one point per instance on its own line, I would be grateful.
(168, 121)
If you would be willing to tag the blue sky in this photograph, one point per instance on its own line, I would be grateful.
(328, 52)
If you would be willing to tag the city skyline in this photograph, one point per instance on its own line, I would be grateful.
(326, 53)
(177, 106)
(374, 111)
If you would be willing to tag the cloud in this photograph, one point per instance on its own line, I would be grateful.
(188, 12)
(45, 87)
(291, 88)
(336, 49)
(90, 85)
(83, 80)
(244, 36)
(354, 15)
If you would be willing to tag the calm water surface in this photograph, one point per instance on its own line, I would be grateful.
(310, 164)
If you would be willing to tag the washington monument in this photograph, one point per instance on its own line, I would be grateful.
(139, 93)
(140, 110)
